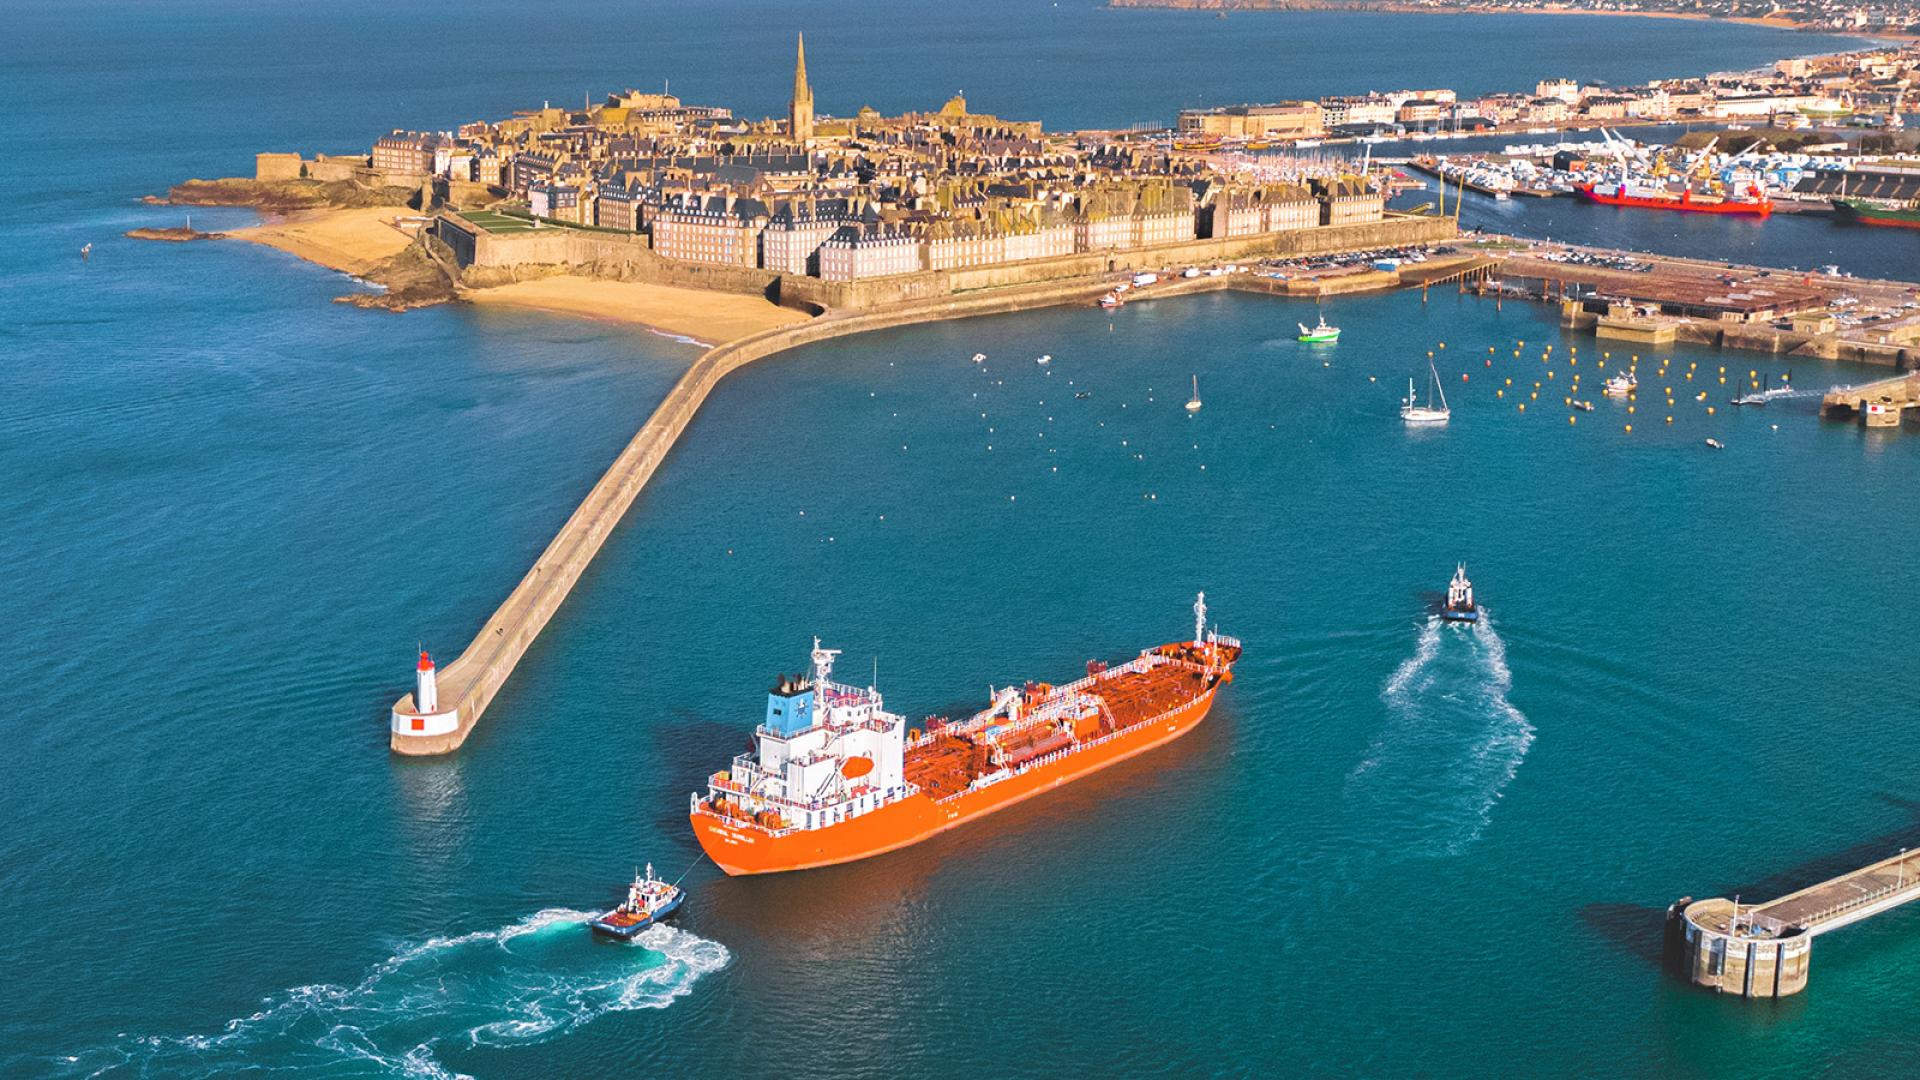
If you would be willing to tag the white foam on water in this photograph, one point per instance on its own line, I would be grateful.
(527, 982)
(1452, 742)
(681, 338)
(1403, 676)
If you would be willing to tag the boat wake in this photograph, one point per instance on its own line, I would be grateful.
(524, 983)
(1452, 741)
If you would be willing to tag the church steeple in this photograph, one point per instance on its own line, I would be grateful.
(800, 109)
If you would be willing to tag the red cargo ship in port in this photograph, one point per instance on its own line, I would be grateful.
(1753, 203)
(834, 777)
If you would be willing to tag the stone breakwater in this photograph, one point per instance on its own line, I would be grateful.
(471, 681)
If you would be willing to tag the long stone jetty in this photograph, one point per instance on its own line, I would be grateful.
(467, 686)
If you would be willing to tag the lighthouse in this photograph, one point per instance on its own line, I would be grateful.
(418, 719)
(426, 689)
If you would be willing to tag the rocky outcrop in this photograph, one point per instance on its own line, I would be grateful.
(422, 275)
(283, 196)
(179, 234)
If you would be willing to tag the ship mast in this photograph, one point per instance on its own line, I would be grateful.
(822, 667)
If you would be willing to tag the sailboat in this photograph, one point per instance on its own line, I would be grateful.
(1414, 413)
(1193, 405)
(1320, 334)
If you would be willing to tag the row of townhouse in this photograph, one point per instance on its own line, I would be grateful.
(959, 247)
(1265, 209)
(842, 239)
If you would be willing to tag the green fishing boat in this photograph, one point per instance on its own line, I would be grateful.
(1319, 334)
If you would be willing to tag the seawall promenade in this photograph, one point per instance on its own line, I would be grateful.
(470, 683)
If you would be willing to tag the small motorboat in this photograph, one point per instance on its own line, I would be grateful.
(1716, 444)
(1460, 606)
(1193, 403)
(1111, 300)
(648, 901)
(1082, 395)
(1044, 359)
(979, 358)
(1621, 385)
(1583, 406)
(1320, 334)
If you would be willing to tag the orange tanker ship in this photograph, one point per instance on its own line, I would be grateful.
(834, 777)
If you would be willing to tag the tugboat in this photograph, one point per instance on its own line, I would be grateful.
(1321, 334)
(1459, 606)
(648, 901)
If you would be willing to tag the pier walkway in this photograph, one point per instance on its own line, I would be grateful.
(1764, 950)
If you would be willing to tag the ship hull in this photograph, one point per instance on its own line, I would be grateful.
(1730, 206)
(1854, 213)
(739, 849)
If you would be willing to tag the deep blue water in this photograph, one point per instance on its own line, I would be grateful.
(229, 509)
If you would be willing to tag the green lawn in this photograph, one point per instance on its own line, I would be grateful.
(496, 223)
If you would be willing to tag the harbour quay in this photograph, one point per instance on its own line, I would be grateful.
(1658, 300)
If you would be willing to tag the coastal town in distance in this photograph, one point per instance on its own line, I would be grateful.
(711, 576)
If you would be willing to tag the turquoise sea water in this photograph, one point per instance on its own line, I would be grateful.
(230, 509)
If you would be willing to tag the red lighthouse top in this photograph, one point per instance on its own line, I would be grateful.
(426, 662)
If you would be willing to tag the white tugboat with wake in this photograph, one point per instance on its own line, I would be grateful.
(1460, 606)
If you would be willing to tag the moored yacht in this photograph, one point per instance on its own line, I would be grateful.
(1415, 413)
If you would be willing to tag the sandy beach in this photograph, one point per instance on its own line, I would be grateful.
(710, 317)
(354, 241)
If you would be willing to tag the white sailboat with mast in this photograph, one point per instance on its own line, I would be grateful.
(1415, 413)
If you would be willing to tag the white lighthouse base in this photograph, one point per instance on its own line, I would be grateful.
(408, 724)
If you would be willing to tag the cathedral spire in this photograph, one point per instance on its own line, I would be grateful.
(800, 109)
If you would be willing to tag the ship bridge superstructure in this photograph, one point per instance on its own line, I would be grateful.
(826, 751)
